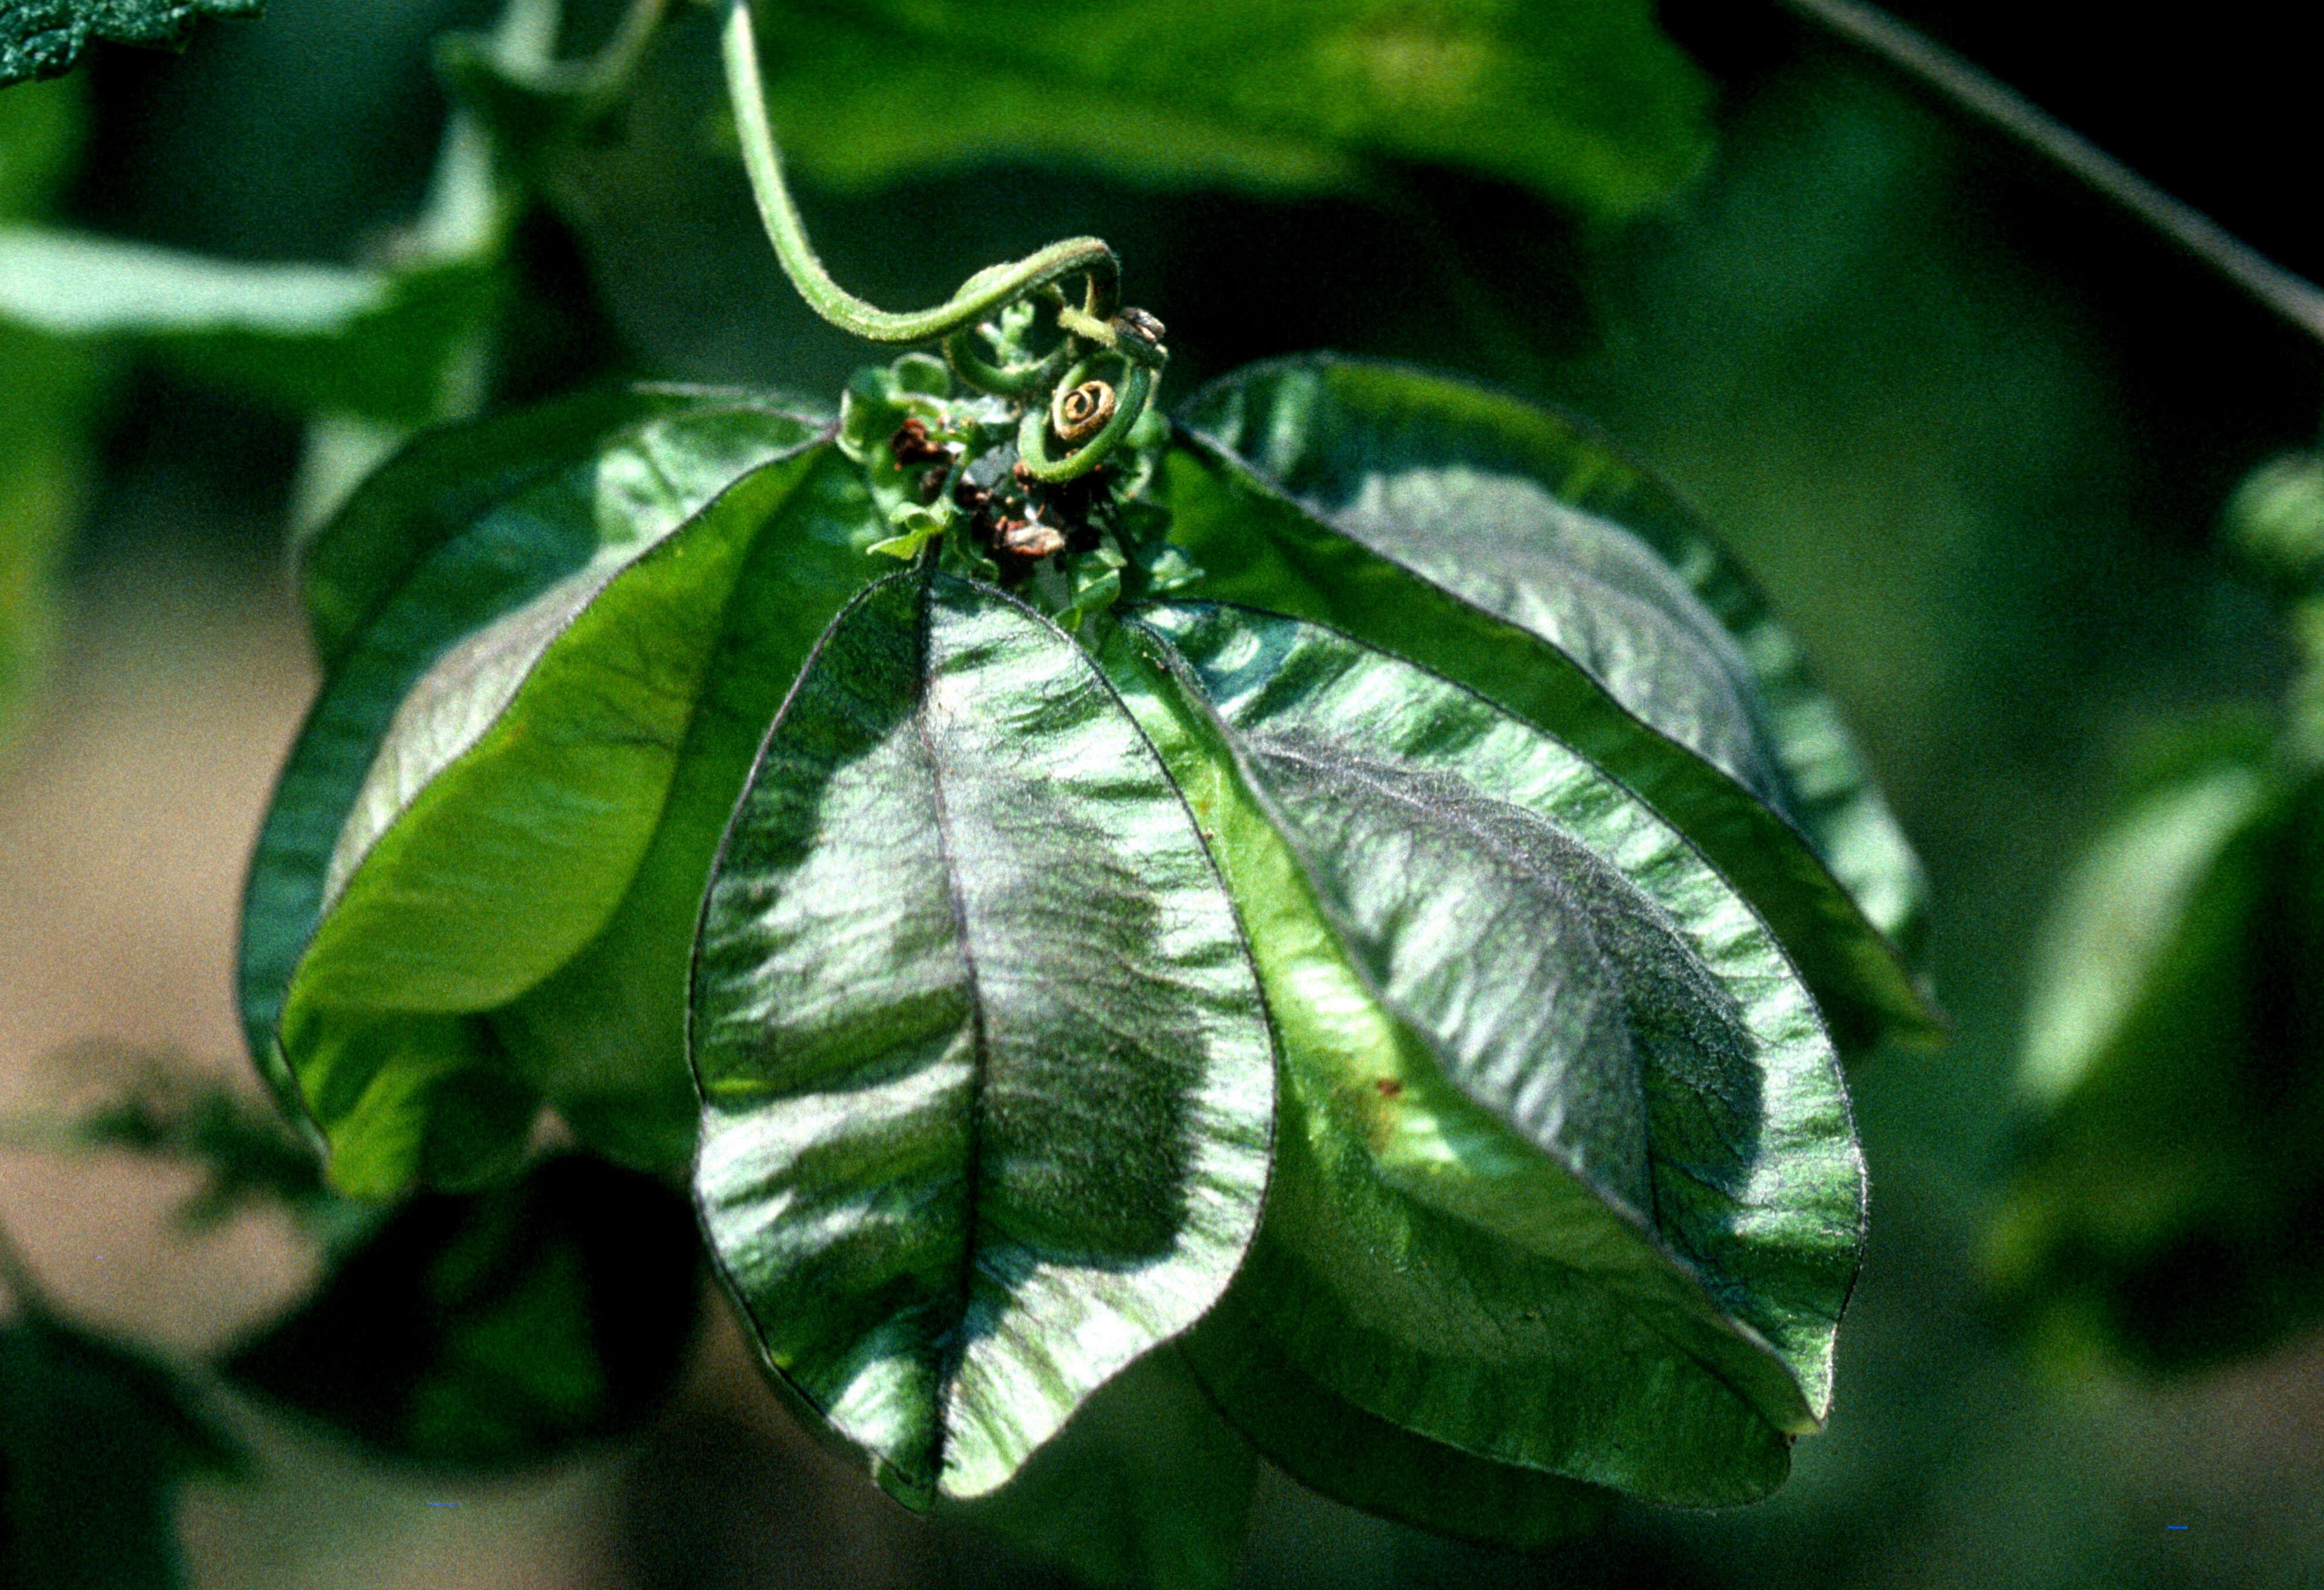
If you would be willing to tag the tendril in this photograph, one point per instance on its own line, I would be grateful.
(1098, 327)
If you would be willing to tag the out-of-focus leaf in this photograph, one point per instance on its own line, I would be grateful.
(1331, 1446)
(499, 1328)
(1565, 1177)
(1258, 544)
(44, 37)
(247, 1153)
(2171, 1176)
(1145, 1488)
(487, 767)
(383, 344)
(1581, 101)
(986, 1077)
(44, 454)
(2275, 520)
(94, 1439)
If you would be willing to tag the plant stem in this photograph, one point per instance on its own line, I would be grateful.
(978, 299)
(1985, 96)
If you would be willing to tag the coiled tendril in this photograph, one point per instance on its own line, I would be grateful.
(1098, 332)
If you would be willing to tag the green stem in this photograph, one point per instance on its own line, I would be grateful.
(978, 298)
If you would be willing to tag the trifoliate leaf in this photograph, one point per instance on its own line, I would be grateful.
(1566, 1178)
(518, 641)
(1146, 1488)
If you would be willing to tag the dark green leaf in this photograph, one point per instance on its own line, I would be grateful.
(2172, 1175)
(499, 1328)
(987, 1081)
(519, 683)
(385, 344)
(1559, 1115)
(1331, 1446)
(44, 37)
(1645, 680)
(1145, 1487)
(94, 1439)
(1581, 101)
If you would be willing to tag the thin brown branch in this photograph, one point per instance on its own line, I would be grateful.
(1985, 96)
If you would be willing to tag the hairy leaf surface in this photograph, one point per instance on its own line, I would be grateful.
(1261, 545)
(44, 37)
(381, 344)
(1581, 101)
(987, 1081)
(1559, 1101)
(498, 1328)
(488, 762)
(1521, 512)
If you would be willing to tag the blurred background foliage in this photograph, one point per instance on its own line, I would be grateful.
(1971, 426)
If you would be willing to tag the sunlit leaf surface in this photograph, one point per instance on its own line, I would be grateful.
(1566, 1179)
(1482, 539)
(987, 1079)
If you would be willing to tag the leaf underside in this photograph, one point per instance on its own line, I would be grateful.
(515, 657)
(1617, 1138)
(1494, 543)
(987, 1081)
(1583, 101)
(44, 37)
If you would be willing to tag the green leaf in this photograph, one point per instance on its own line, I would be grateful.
(986, 1077)
(1559, 1114)
(1415, 513)
(94, 1439)
(44, 37)
(389, 346)
(520, 687)
(1581, 100)
(45, 451)
(499, 1329)
(2170, 1060)
(1146, 1488)
(1331, 1446)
